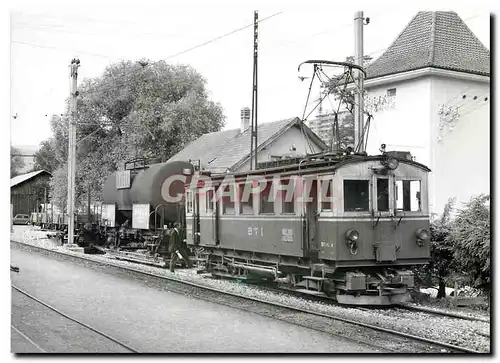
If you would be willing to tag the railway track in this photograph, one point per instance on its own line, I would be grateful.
(392, 332)
(441, 313)
(59, 312)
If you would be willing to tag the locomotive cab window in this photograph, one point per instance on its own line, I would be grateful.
(266, 199)
(382, 195)
(326, 194)
(408, 195)
(356, 196)
(246, 198)
(228, 200)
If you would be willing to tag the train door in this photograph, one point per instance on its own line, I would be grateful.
(383, 206)
(311, 213)
(208, 220)
(191, 228)
(383, 192)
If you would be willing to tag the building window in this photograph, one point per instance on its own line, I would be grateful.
(228, 200)
(288, 204)
(391, 92)
(246, 202)
(267, 203)
(356, 196)
(408, 195)
(382, 195)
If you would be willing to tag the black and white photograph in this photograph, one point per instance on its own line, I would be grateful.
(200, 177)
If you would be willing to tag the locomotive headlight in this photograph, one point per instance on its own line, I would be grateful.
(352, 235)
(392, 163)
(422, 234)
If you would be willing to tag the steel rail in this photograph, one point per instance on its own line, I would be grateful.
(74, 320)
(441, 313)
(328, 316)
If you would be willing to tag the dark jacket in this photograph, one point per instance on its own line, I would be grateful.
(175, 240)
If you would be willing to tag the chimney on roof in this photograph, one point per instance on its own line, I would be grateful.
(245, 119)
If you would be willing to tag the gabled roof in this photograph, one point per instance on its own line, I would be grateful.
(222, 150)
(438, 39)
(25, 177)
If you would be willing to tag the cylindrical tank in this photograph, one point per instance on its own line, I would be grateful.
(149, 186)
(154, 185)
(119, 197)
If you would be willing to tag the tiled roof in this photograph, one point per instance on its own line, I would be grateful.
(437, 39)
(24, 177)
(219, 151)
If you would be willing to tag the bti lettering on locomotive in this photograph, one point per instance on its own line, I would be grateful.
(355, 236)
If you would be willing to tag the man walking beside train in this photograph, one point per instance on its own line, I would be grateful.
(175, 247)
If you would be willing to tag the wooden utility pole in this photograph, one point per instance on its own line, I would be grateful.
(75, 63)
(358, 92)
(253, 141)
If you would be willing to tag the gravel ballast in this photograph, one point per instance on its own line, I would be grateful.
(471, 334)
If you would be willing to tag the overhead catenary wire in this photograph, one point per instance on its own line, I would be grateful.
(166, 58)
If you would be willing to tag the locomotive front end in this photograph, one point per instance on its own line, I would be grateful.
(380, 230)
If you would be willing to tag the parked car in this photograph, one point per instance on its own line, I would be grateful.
(21, 219)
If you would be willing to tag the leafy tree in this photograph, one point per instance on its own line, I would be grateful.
(346, 131)
(59, 187)
(45, 157)
(146, 109)
(336, 85)
(471, 238)
(441, 251)
(16, 162)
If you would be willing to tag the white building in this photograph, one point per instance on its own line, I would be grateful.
(429, 93)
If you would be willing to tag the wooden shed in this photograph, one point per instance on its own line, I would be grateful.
(28, 191)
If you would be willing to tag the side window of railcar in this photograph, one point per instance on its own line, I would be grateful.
(326, 194)
(209, 200)
(356, 196)
(267, 199)
(189, 202)
(288, 196)
(382, 194)
(246, 198)
(228, 200)
(408, 195)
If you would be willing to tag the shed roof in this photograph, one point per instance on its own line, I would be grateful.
(438, 39)
(25, 177)
(222, 150)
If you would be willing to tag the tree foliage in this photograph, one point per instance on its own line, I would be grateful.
(460, 246)
(471, 237)
(136, 109)
(45, 157)
(441, 250)
(16, 162)
(59, 187)
(335, 85)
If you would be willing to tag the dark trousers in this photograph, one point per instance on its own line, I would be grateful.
(174, 257)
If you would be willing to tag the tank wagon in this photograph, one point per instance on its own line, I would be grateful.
(349, 227)
(135, 207)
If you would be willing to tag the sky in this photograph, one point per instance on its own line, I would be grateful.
(44, 39)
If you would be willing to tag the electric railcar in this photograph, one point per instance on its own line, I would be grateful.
(351, 230)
